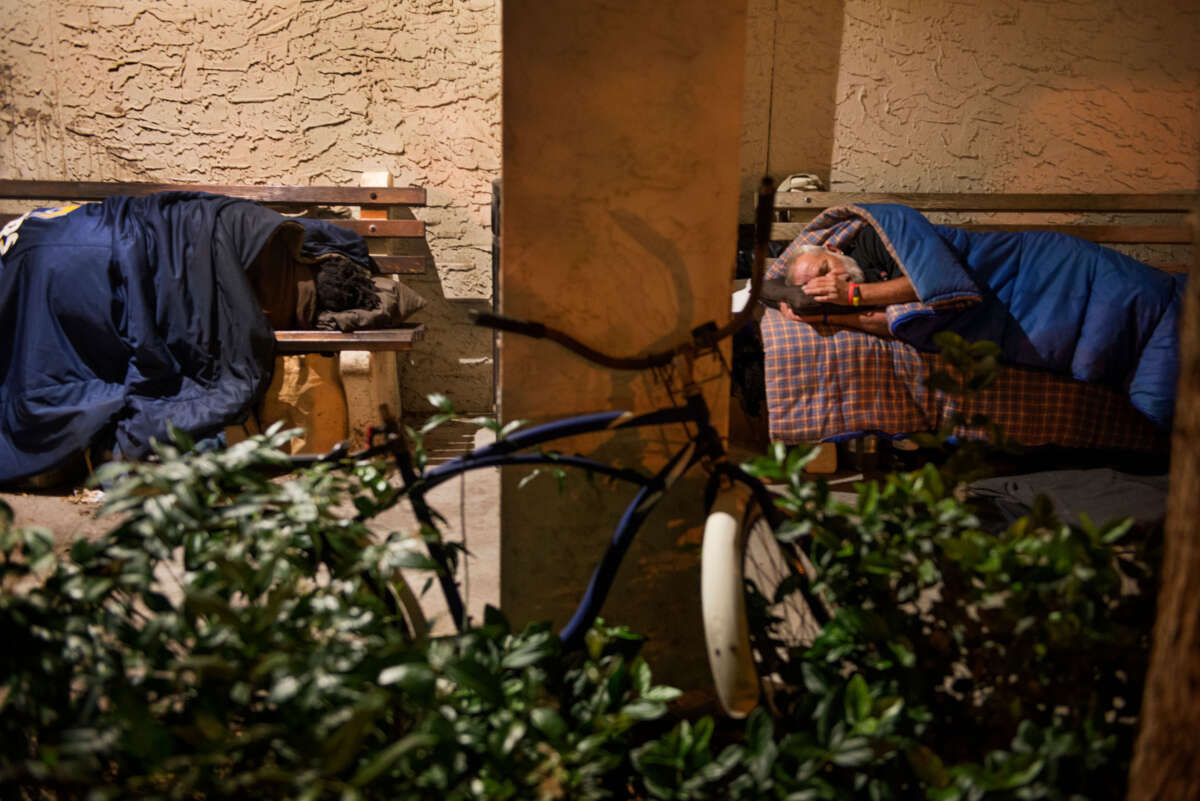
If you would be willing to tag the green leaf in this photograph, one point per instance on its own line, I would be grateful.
(180, 437)
(1024, 776)
(529, 477)
(799, 457)
(284, 690)
(472, 676)
(509, 428)
(388, 757)
(662, 693)
(415, 678)
(984, 348)
(644, 710)
(494, 618)
(640, 676)
(548, 722)
(440, 402)
(902, 648)
(529, 653)
(853, 751)
(82, 552)
(412, 559)
(814, 680)
(927, 765)
(1115, 529)
(858, 699)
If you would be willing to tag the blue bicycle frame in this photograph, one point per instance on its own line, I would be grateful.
(703, 445)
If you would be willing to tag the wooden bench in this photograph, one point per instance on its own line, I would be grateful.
(1112, 219)
(375, 222)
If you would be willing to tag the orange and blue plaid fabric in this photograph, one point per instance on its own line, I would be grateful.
(825, 383)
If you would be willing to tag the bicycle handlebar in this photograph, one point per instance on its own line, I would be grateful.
(703, 335)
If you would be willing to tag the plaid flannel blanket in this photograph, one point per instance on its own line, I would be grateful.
(827, 383)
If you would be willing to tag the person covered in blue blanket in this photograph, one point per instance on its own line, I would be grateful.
(1050, 301)
(123, 315)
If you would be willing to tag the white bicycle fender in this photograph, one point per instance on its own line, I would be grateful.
(723, 605)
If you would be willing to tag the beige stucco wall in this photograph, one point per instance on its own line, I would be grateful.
(997, 95)
(291, 92)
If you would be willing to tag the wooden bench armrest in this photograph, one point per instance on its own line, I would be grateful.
(383, 339)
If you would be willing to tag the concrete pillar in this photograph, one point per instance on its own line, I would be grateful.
(620, 178)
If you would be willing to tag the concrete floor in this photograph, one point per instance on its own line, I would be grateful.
(470, 505)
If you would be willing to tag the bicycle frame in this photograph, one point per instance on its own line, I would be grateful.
(703, 446)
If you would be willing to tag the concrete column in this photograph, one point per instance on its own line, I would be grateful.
(620, 179)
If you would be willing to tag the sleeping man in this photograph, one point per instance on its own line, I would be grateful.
(823, 284)
(1050, 301)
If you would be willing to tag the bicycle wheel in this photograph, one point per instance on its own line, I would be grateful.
(758, 609)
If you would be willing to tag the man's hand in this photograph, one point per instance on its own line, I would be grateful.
(788, 314)
(833, 287)
(872, 321)
(811, 319)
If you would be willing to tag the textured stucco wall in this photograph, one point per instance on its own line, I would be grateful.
(998, 95)
(291, 92)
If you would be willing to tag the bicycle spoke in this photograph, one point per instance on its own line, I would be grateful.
(781, 622)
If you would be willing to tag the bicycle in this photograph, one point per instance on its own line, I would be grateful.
(740, 556)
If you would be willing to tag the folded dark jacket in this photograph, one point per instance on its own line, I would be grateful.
(396, 303)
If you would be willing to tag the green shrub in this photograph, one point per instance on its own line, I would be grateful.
(235, 636)
(961, 663)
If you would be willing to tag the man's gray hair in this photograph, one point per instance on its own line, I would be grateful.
(852, 269)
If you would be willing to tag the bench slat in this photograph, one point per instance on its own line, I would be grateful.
(388, 339)
(294, 195)
(382, 228)
(401, 265)
(934, 201)
(1122, 234)
(365, 228)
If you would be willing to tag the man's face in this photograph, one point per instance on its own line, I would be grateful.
(809, 265)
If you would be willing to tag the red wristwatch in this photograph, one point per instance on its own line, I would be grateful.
(855, 293)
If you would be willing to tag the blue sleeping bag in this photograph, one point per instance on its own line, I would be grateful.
(118, 316)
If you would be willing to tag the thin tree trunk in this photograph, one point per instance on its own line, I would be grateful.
(1166, 762)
